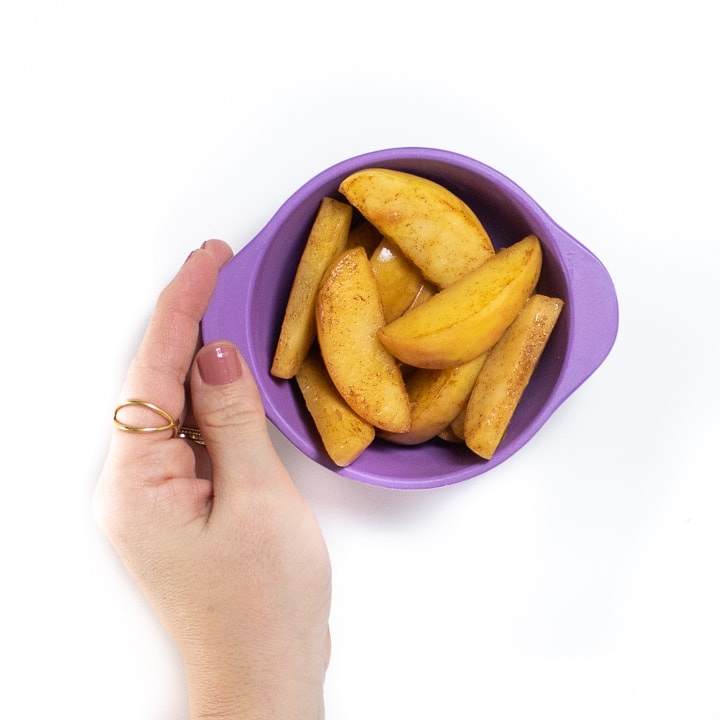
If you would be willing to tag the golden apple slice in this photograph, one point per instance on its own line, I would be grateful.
(506, 374)
(457, 426)
(326, 241)
(434, 228)
(423, 295)
(466, 319)
(449, 436)
(436, 397)
(349, 313)
(364, 234)
(398, 279)
(343, 432)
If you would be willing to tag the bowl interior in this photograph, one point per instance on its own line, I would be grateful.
(249, 304)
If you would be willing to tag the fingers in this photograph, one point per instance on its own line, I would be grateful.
(158, 372)
(230, 414)
(139, 462)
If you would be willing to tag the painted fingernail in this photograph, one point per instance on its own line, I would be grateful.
(219, 364)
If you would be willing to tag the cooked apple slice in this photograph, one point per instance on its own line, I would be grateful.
(436, 397)
(325, 242)
(343, 432)
(364, 234)
(506, 373)
(423, 295)
(435, 229)
(349, 313)
(449, 436)
(466, 319)
(457, 426)
(399, 281)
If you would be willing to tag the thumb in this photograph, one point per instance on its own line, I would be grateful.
(230, 415)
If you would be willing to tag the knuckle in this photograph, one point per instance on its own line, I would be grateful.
(240, 410)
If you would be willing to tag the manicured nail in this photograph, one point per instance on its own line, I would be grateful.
(219, 365)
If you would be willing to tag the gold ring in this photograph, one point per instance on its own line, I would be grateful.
(171, 424)
(190, 433)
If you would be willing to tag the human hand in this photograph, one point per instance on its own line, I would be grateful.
(218, 538)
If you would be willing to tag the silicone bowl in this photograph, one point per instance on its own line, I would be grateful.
(248, 305)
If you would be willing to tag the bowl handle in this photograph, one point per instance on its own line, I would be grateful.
(594, 314)
(233, 290)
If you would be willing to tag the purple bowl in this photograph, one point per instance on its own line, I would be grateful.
(248, 305)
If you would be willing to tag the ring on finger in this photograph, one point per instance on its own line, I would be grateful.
(191, 433)
(170, 422)
(178, 431)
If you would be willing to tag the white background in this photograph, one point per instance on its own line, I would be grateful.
(578, 580)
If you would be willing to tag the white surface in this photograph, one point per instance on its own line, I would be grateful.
(580, 579)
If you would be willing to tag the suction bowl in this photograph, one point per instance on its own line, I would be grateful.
(248, 306)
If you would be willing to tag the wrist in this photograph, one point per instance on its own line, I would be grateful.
(253, 703)
(250, 692)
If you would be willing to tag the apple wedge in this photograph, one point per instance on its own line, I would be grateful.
(436, 397)
(364, 234)
(457, 426)
(423, 295)
(449, 436)
(434, 228)
(399, 281)
(464, 320)
(349, 313)
(506, 373)
(325, 242)
(344, 434)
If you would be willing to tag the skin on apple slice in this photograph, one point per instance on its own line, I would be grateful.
(506, 373)
(464, 320)
(327, 239)
(344, 434)
(436, 397)
(436, 230)
(398, 279)
(349, 314)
